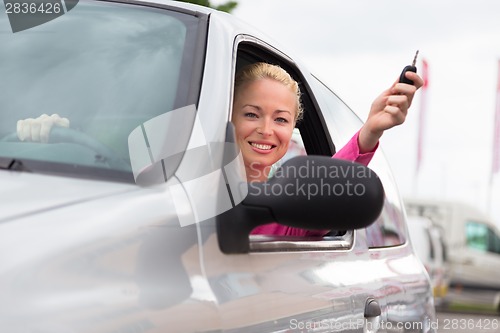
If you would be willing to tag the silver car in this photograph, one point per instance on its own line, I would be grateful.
(136, 218)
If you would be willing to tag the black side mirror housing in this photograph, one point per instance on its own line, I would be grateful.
(308, 192)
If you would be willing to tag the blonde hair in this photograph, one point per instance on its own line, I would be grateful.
(262, 70)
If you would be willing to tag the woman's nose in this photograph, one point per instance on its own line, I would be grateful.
(265, 128)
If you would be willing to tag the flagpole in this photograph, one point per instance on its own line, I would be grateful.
(421, 124)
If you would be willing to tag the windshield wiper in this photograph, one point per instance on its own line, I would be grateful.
(12, 164)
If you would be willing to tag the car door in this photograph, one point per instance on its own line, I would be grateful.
(336, 283)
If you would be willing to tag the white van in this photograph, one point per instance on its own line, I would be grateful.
(427, 239)
(473, 241)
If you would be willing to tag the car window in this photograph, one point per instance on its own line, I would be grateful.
(481, 237)
(477, 236)
(309, 137)
(108, 68)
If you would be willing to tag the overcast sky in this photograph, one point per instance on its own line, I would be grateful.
(359, 47)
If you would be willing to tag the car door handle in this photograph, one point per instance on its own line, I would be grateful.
(372, 316)
(372, 308)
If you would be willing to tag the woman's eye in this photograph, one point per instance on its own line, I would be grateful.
(250, 115)
(281, 120)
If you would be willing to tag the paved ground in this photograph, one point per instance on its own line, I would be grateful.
(469, 311)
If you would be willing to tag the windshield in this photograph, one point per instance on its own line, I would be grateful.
(106, 67)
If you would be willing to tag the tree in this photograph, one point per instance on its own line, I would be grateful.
(225, 7)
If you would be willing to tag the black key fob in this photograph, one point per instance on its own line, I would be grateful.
(402, 77)
(409, 68)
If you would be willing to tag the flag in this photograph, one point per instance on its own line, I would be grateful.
(422, 112)
(495, 167)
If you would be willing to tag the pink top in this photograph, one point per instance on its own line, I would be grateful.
(349, 152)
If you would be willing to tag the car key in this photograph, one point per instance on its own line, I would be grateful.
(411, 68)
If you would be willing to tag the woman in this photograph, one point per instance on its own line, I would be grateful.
(267, 107)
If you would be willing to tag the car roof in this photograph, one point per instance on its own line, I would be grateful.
(178, 4)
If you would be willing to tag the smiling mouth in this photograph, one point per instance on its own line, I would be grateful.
(262, 146)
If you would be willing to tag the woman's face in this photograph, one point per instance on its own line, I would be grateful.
(264, 117)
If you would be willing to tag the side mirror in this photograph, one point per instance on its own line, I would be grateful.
(309, 192)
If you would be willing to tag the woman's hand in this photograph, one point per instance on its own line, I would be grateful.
(388, 110)
(38, 130)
